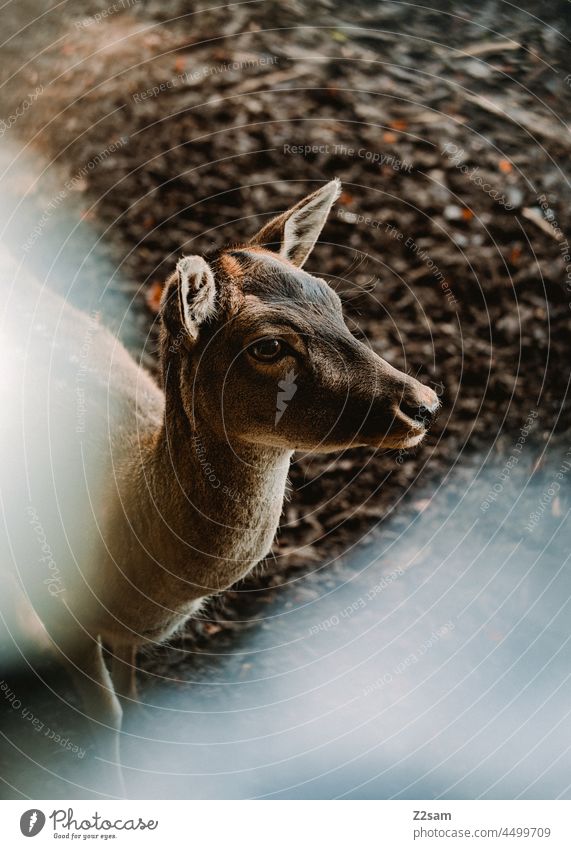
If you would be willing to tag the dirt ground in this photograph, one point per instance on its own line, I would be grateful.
(448, 125)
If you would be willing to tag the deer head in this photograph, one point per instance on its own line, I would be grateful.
(257, 348)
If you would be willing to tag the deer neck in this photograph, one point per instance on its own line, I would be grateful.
(240, 480)
(223, 502)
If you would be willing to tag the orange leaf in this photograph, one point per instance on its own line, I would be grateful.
(180, 64)
(390, 138)
(399, 124)
(467, 214)
(515, 255)
(505, 166)
(153, 296)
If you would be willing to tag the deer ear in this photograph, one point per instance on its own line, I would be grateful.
(196, 292)
(294, 233)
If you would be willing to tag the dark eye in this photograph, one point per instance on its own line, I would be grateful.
(268, 350)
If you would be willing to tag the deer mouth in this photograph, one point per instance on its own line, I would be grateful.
(395, 430)
(412, 441)
(408, 428)
(401, 441)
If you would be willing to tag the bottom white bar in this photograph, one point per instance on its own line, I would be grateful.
(289, 824)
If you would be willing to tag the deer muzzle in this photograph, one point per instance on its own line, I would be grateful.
(401, 409)
(414, 408)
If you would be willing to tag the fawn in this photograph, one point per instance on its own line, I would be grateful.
(192, 475)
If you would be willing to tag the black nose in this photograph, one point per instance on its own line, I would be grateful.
(419, 413)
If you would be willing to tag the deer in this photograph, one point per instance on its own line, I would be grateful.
(256, 362)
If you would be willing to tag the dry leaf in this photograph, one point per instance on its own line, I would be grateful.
(153, 296)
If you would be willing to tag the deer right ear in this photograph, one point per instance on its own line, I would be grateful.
(294, 233)
(195, 294)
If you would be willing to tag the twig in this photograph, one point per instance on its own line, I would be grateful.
(478, 49)
(528, 120)
(536, 218)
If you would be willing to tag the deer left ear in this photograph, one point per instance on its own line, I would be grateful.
(294, 233)
(196, 291)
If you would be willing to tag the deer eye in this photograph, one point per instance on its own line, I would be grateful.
(268, 350)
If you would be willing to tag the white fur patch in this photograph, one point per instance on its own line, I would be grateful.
(197, 292)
